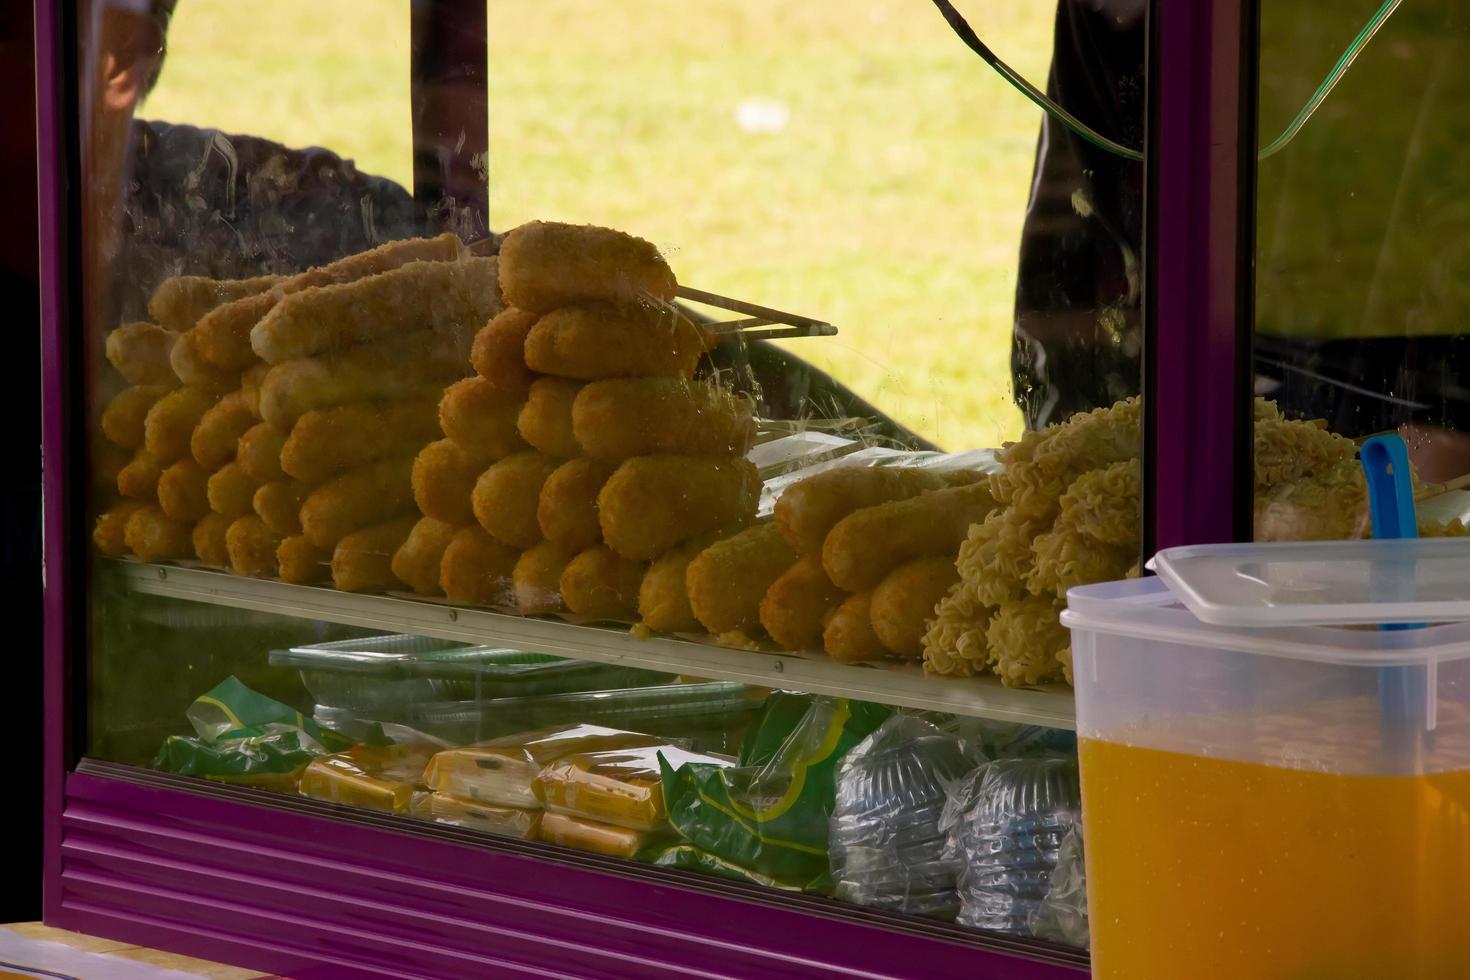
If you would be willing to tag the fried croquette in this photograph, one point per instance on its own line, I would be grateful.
(327, 441)
(547, 264)
(252, 547)
(444, 475)
(652, 503)
(417, 561)
(231, 491)
(363, 560)
(169, 424)
(798, 605)
(728, 580)
(183, 491)
(848, 635)
(866, 545)
(591, 341)
(546, 419)
(140, 352)
(498, 353)
(567, 510)
(623, 417)
(301, 562)
(481, 416)
(214, 440)
(809, 508)
(154, 536)
(600, 584)
(507, 494)
(361, 497)
(109, 533)
(476, 569)
(209, 540)
(903, 603)
(278, 503)
(536, 580)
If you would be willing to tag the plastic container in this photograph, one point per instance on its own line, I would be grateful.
(1255, 806)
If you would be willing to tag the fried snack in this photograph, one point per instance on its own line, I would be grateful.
(109, 532)
(108, 461)
(209, 540)
(123, 418)
(303, 563)
(213, 442)
(1066, 557)
(178, 303)
(728, 580)
(190, 366)
(444, 476)
(359, 498)
(536, 580)
(996, 559)
(363, 560)
(848, 635)
(567, 510)
(391, 368)
(601, 585)
(623, 417)
(546, 420)
(903, 603)
(798, 604)
(417, 560)
(481, 416)
(436, 295)
(327, 441)
(140, 352)
(954, 644)
(507, 494)
(183, 491)
(231, 491)
(476, 569)
(498, 353)
(139, 479)
(250, 382)
(600, 340)
(259, 452)
(225, 331)
(547, 264)
(865, 546)
(169, 425)
(1028, 645)
(154, 536)
(252, 546)
(652, 503)
(278, 503)
(663, 596)
(811, 507)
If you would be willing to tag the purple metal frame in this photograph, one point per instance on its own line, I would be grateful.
(451, 116)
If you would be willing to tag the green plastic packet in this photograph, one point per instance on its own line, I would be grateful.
(241, 736)
(769, 815)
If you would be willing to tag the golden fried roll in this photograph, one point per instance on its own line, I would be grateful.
(252, 546)
(192, 369)
(507, 494)
(278, 503)
(139, 479)
(624, 417)
(476, 569)
(327, 441)
(221, 338)
(600, 584)
(546, 420)
(903, 603)
(547, 264)
(414, 296)
(809, 508)
(107, 462)
(140, 352)
(600, 340)
(444, 475)
(865, 546)
(481, 416)
(213, 442)
(651, 503)
(209, 540)
(123, 418)
(259, 452)
(728, 580)
(301, 562)
(109, 532)
(363, 560)
(498, 353)
(567, 510)
(250, 382)
(536, 579)
(359, 498)
(663, 596)
(154, 536)
(178, 303)
(849, 635)
(231, 491)
(169, 425)
(417, 560)
(183, 491)
(391, 368)
(798, 604)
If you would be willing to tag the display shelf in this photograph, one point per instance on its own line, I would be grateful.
(903, 685)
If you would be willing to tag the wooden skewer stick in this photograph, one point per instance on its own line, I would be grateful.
(735, 326)
(1433, 490)
(783, 333)
(749, 309)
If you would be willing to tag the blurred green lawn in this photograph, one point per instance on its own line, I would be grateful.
(881, 187)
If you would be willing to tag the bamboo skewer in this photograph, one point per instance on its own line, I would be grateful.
(1432, 490)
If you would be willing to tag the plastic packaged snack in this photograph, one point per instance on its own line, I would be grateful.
(376, 777)
(588, 835)
(621, 787)
(507, 821)
(501, 772)
(886, 846)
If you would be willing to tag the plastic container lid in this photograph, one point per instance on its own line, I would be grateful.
(1326, 583)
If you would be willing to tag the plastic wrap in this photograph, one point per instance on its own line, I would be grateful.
(589, 835)
(1062, 916)
(386, 778)
(622, 787)
(886, 845)
(508, 821)
(1005, 823)
(501, 772)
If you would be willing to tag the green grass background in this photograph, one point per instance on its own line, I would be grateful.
(890, 203)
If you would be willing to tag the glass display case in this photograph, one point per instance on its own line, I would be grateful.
(544, 488)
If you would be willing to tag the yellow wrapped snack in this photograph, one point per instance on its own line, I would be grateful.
(140, 352)
(588, 835)
(376, 778)
(123, 418)
(108, 534)
(621, 787)
(507, 821)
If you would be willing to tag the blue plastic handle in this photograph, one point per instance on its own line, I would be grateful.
(1390, 490)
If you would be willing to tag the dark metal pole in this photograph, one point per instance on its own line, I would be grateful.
(451, 120)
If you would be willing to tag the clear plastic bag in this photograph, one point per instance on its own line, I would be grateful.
(508, 821)
(1062, 916)
(622, 787)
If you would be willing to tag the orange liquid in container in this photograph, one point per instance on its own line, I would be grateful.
(1201, 867)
